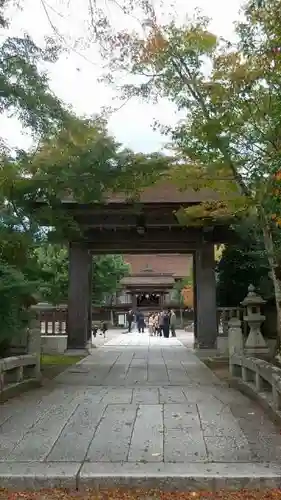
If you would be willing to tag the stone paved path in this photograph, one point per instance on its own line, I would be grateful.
(137, 402)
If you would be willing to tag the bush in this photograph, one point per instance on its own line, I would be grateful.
(241, 265)
(15, 296)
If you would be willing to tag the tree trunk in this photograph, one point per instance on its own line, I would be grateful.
(269, 247)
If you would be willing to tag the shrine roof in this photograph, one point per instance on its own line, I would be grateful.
(161, 192)
(148, 281)
(177, 265)
(168, 192)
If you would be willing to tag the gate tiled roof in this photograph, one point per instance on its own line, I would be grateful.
(148, 281)
(177, 265)
(168, 192)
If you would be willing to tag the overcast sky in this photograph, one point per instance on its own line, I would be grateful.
(74, 76)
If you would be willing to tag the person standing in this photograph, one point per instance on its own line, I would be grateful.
(103, 328)
(166, 324)
(140, 321)
(161, 323)
(154, 327)
(173, 321)
(156, 324)
(130, 319)
(151, 324)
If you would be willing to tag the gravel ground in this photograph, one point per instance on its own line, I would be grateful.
(141, 495)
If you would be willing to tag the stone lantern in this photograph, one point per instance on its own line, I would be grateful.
(255, 342)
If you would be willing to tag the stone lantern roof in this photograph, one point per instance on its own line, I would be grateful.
(252, 298)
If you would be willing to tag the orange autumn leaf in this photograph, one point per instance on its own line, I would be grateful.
(156, 43)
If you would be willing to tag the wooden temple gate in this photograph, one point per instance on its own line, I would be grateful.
(148, 226)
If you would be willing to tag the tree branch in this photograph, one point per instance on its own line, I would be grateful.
(220, 143)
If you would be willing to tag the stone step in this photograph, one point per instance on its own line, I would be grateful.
(165, 476)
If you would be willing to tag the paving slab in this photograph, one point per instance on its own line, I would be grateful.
(148, 395)
(112, 438)
(138, 410)
(38, 441)
(79, 429)
(182, 417)
(148, 435)
(172, 395)
(25, 417)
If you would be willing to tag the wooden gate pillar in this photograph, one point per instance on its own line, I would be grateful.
(79, 299)
(205, 297)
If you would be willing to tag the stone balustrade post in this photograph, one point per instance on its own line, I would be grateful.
(275, 395)
(235, 337)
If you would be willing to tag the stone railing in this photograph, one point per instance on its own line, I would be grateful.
(16, 372)
(258, 378)
(224, 314)
(19, 372)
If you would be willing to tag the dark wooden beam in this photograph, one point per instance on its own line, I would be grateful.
(126, 216)
(144, 249)
(154, 240)
(115, 214)
(125, 207)
(108, 220)
(149, 235)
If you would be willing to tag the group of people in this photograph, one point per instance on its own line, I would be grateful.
(159, 323)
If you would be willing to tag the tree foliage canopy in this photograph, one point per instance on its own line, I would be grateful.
(243, 264)
(229, 98)
(72, 157)
(108, 270)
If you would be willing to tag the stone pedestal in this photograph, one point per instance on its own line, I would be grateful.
(227, 314)
(235, 337)
(255, 343)
(222, 345)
